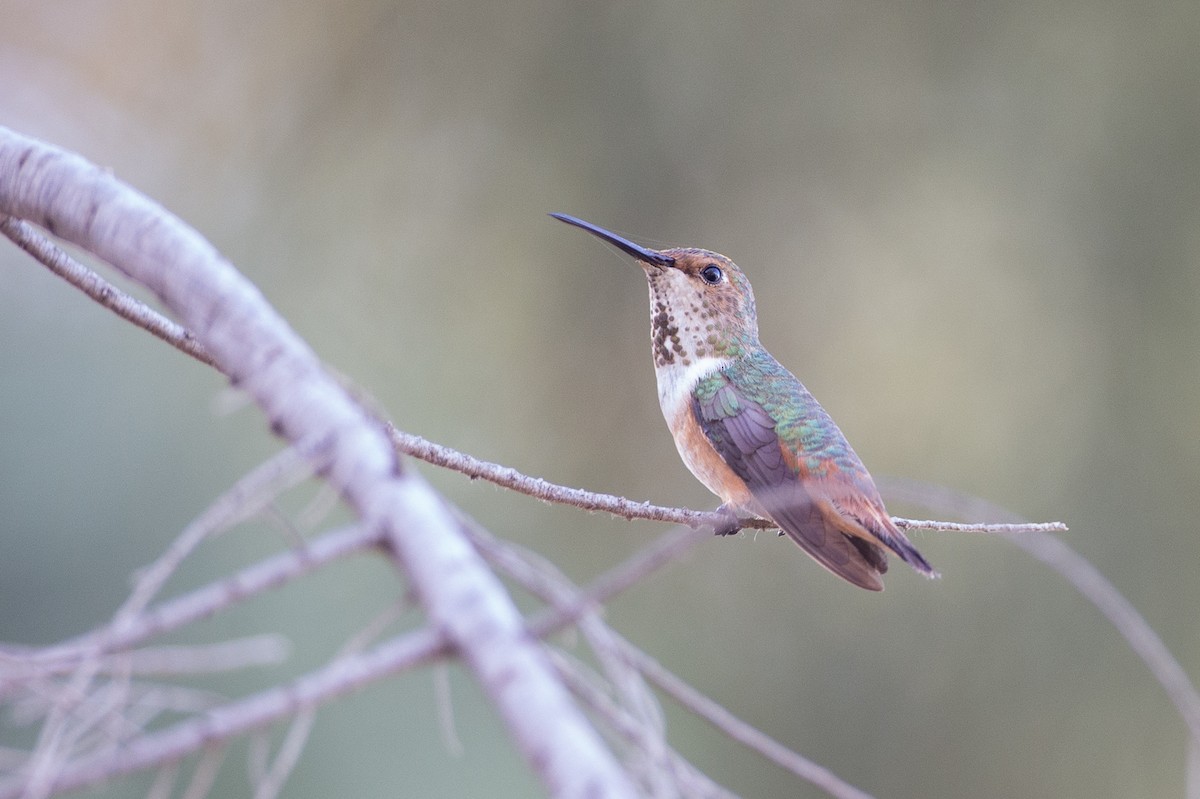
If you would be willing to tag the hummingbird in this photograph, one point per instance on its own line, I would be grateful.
(746, 427)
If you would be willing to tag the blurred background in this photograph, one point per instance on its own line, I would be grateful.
(973, 230)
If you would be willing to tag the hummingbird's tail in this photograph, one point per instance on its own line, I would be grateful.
(894, 539)
(862, 519)
(909, 554)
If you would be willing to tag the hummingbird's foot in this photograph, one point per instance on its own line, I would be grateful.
(732, 523)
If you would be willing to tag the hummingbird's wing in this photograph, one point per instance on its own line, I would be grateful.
(744, 434)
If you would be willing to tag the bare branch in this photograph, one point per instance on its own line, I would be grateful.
(568, 601)
(980, 527)
(536, 487)
(507, 477)
(238, 653)
(251, 343)
(272, 780)
(249, 495)
(288, 756)
(445, 706)
(206, 772)
(205, 601)
(337, 678)
(123, 305)
(740, 731)
(687, 779)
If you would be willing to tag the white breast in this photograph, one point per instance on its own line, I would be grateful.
(676, 381)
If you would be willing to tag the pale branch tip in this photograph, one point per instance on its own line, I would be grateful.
(985, 527)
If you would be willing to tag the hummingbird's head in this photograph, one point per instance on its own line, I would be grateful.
(701, 304)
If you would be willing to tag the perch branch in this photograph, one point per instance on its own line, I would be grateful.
(438, 454)
(421, 448)
(536, 487)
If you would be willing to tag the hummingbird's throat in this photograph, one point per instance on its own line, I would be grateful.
(685, 326)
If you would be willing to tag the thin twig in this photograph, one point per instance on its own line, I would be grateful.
(208, 600)
(288, 756)
(205, 773)
(123, 305)
(239, 653)
(551, 585)
(253, 492)
(507, 477)
(984, 527)
(444, 701)
(536, 487)
(337, 678)
(273, 778)
(691, 781)
(225, 656)
(746, 734)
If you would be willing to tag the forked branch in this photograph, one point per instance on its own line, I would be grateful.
(250, 343)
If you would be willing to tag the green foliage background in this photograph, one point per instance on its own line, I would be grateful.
(974, 232)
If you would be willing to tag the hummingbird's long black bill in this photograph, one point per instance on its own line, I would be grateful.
(641, 253)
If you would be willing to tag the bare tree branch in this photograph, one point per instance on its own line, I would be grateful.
(238, 653)
(546, 581)
(337, 678)
(248, 496)
(247, 339)
(271, 783)
(123, 305)
(200, 603)
(980, 527)
(205, 773)
(536, 487)
(680, 778)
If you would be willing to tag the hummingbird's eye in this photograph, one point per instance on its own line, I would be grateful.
(711, 274)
